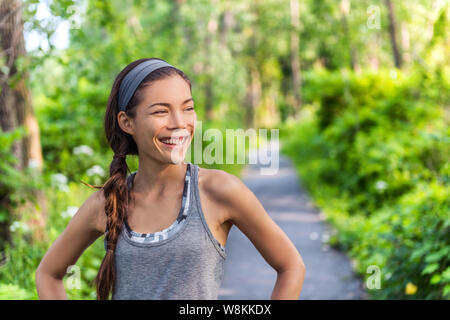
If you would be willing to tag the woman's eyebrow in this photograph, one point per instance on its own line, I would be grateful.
(168, 104)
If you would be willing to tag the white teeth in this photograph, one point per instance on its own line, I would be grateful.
(174, 141)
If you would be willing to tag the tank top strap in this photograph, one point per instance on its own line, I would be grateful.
(195, 188)
(198, 207)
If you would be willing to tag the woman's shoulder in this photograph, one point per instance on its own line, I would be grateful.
(219, 184)
(96, 204)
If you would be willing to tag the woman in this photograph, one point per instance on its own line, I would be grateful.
(165, 225)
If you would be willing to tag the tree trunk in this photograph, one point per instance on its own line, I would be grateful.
(208, 84)
(374, 45)
(253, 96)
(16, 110)
(345, 9)
(406, 43)
(295, 59)
(227, 22)
(393, 34)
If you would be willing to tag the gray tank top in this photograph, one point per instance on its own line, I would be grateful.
(183, 261)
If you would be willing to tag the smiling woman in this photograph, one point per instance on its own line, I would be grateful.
(165, 225)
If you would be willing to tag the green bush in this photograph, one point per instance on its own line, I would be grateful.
(374, 155)
(24, 256)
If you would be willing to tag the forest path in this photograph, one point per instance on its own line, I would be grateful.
(329, 273)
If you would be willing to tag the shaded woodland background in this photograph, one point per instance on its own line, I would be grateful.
(358, 89)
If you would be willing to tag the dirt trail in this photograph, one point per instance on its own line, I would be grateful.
(329, 272)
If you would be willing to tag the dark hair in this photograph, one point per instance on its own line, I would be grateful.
(115, 188)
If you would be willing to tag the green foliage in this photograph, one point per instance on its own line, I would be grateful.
(376, 140)
(13, 292)
(17, 274)
(63, 116)
(16, 186)
(374, 155)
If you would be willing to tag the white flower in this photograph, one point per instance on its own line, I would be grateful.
(95, 170)
(17, 225)
(59, 180)
(381, 185)
(14, 226)
(393, 74)
(83, 149)
(70, 212)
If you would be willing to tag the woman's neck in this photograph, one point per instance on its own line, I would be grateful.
(158, 178)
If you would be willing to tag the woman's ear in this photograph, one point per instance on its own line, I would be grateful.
(125, 123)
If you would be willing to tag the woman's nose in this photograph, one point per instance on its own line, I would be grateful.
(176, 120)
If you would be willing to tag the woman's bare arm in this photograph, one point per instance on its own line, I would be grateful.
(83, 229)
(247, 213)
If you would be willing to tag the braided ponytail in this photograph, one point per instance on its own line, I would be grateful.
(116, 203)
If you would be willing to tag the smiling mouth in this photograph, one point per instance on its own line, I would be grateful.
(173, 141)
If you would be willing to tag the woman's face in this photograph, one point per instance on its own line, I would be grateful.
(165, 120)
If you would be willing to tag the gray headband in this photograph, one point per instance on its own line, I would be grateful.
(133, 78)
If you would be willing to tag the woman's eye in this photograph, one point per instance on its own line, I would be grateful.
(160, 111)
(190, 108)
